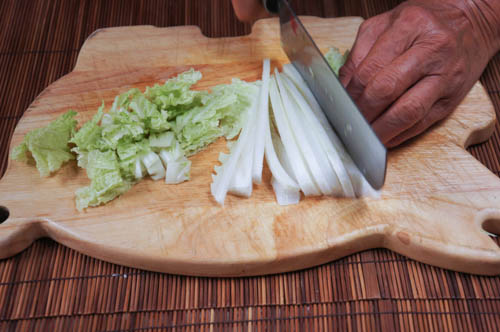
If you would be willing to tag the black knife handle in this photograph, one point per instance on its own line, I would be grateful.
(272, 6)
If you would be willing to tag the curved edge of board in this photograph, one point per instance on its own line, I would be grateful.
(17, 235)
(20, 234)
(455, 258)
(479, 131)
(208, 268)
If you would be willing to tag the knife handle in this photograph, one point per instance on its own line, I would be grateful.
(272, 6)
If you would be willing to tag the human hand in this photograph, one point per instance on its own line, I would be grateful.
(249, 10)
(411, 67)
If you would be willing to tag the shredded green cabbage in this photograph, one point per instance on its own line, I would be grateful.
(176, 96)
(218, 115)
(106, 181)
(48, 145)
(128, 155)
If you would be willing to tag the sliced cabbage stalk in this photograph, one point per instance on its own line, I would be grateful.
(224, 177)
(292, 73)
(300, 170)
(320, 169)
(241, 183)
(281, 152)
(276, 165)
(178, 171)
(251, 160)
(154, 166)
(360, 186)
(262, 116)
(284, 195)
(139, 169)
(322, 139)
(284, 185)
(174, 153)
(177, 165)
(163, 140)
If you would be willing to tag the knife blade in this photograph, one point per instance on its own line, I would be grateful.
(358, 137)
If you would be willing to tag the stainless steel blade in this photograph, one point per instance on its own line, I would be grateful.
(363, 145)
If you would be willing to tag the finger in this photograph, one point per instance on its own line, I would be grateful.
(409, 109)
(392, 81)
(391, 44)
(437, 112)
(367, 35)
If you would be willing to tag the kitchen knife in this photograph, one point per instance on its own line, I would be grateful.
(361, 142)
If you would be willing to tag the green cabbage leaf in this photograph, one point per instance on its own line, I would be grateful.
(48, 145)
(335, 59)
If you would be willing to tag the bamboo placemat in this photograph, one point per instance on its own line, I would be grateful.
(50, 287)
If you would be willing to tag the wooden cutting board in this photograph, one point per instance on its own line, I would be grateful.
(434, 206)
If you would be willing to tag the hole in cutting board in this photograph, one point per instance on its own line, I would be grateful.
(492, 226)
(4, 214)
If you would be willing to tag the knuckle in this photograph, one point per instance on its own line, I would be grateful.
(357, 82)
(459, 70)
(407, 114)
(366, 25)
(412, 16)
(416, 14)
(444, 41)
(383, 87)
(360, 78)
(374, 25)
(347, 68)
(441, 109)
(367, 71)
(393, 122)
(412, 111)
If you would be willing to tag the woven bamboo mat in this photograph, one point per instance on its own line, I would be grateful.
(50, 287)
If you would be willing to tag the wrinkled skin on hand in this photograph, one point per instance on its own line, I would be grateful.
(411, 67)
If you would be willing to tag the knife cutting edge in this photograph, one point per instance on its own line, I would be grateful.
(359, 139)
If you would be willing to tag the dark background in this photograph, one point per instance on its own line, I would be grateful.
(50, 287)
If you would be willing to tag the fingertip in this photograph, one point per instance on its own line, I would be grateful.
(384, 132)
(393, 143)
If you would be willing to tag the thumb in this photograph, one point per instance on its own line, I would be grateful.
(249, 10)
